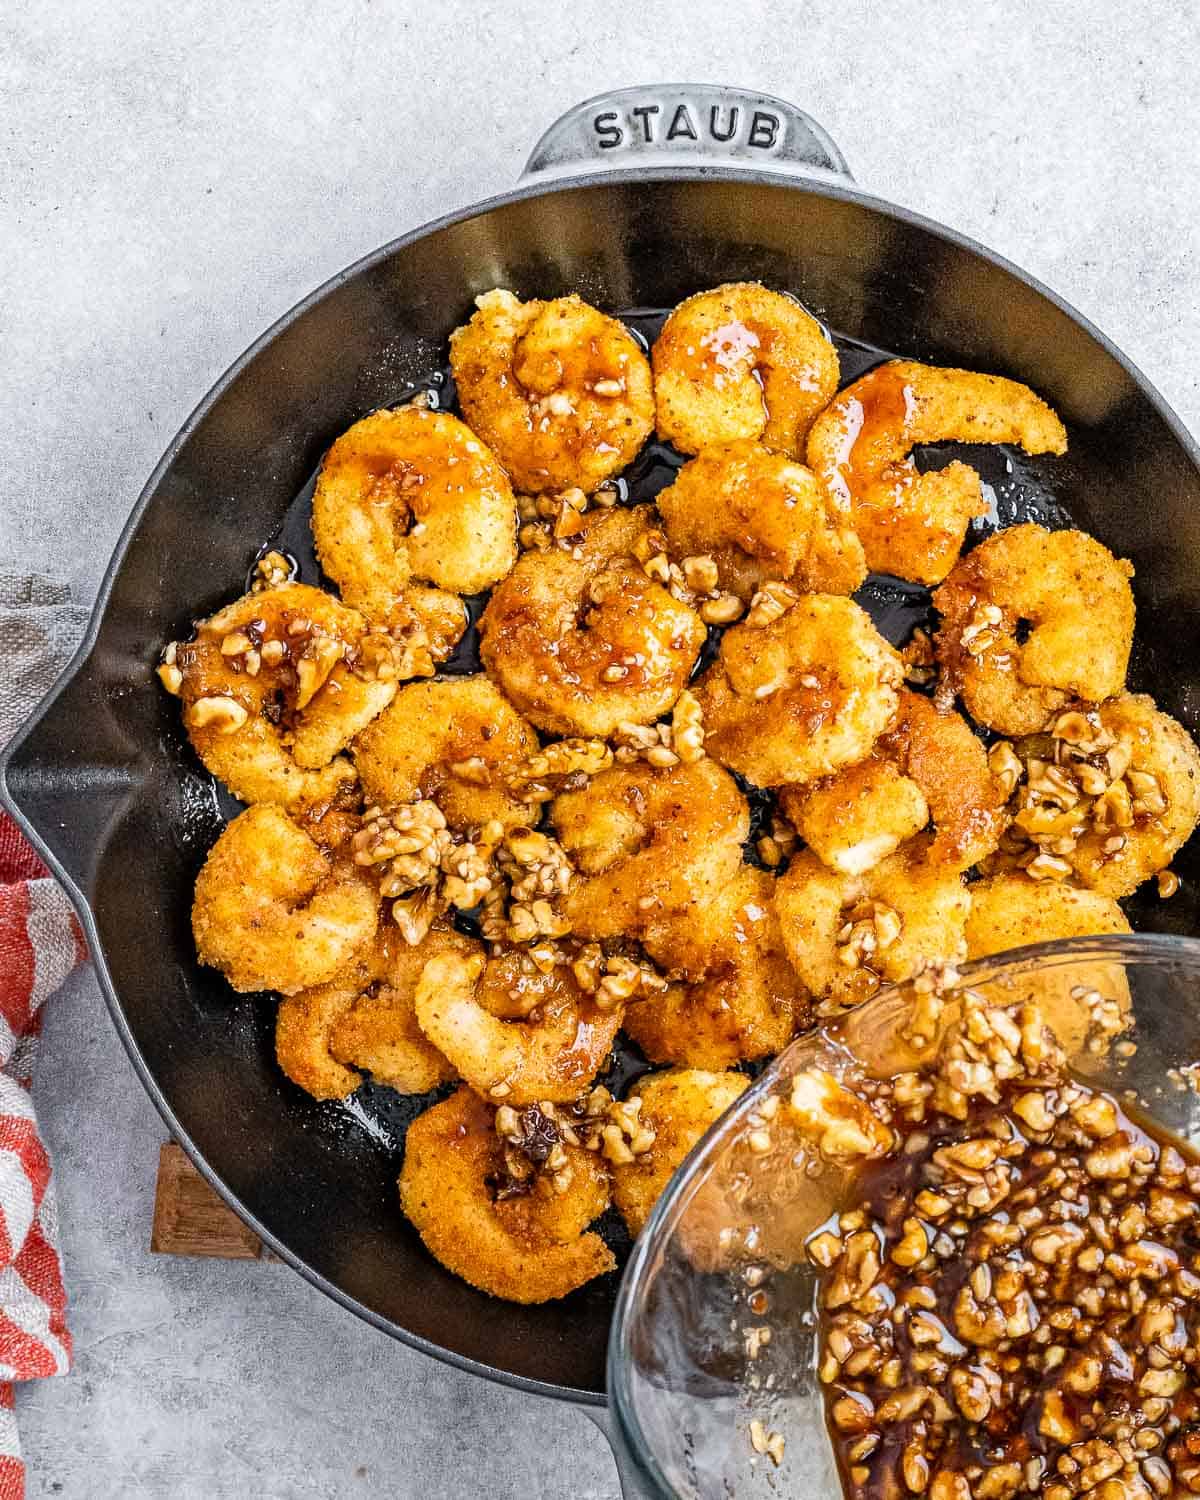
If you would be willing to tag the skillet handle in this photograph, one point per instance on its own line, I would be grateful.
(633, 1485)
(685, 124)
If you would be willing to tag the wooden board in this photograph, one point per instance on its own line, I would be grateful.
(189, 1217)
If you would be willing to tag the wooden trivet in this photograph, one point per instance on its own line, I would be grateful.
(190, 1219)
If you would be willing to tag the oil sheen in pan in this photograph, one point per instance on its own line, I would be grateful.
(1017, 487)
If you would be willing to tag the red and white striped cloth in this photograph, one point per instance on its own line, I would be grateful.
(40, 943)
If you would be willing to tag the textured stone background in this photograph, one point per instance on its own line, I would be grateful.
(174, 177)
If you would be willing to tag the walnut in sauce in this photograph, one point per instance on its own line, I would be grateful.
(1011, 1305)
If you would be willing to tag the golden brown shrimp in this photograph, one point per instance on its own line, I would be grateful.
(273, 911)
(798, 698)
(927, 765)
(552, 1053)
(584, 640)
(528, 1248)
(912, 525)
(1119, 784)
(363, 1020)
(1012, 911)
(739, 998)
(412, 494)
(274, 686)
(759, 515)
(647, 842)
(678, 1105)
(453, 741)
(1030, 619)
(741, 361)
(560, 391)
(845, 934)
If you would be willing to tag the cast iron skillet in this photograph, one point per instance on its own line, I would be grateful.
(635, 201)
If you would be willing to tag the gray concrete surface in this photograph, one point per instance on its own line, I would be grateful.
(171, 179)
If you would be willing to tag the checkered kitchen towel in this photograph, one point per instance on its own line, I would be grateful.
(40, 943)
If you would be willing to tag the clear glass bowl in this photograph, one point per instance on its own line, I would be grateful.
(683, 1387)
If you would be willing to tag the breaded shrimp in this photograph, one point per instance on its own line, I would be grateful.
(412, 494)
(560, 391)
(272, 911)
(1030, 619)
(737, 362)
(845, 934)
(553, 1053)
(738, 998)
(913, 525)
(679, 1105)
(584, 640)
(927, 765)
(647, 842)
(530, 1248)
(363, 1019)
(1145, 804)
(274, 686)
(1012, 911)
(801, 697)
(761, 516)
(452, 740)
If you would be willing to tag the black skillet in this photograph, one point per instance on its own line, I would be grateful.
(634, 200)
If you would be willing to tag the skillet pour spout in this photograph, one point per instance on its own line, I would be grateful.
(636, 201)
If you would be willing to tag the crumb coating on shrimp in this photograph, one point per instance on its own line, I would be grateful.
(455, 741)
(846, 934)
(679, 1105)
(412, 494)
(273, 911)
(737, 997)
(559, 390)
(1030, 619)
(802, 696)
(582, 640)
(526, 1249)
(648, 841)
(274, 686)
(553, 1051)
(760, 516)
(363, 1020)
(737, 362)
(912, 524)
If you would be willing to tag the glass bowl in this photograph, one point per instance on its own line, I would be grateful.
(719, 1256)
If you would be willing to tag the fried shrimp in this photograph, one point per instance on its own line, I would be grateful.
(1111, 795)
(912, 525)
(1030, 619)
(363, 1020)
(274, 911)
(552, 1052)
(274, 686)
(453, 741)
(846, 934)
(799, 698)
(1012, 911)
(647, 842)
(560, 391)
(741, 362)
(738, 998)
(412, 494)
(529, 1247)
(761, 516)
(584, 640)
(678, 1105)
(928, 765)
